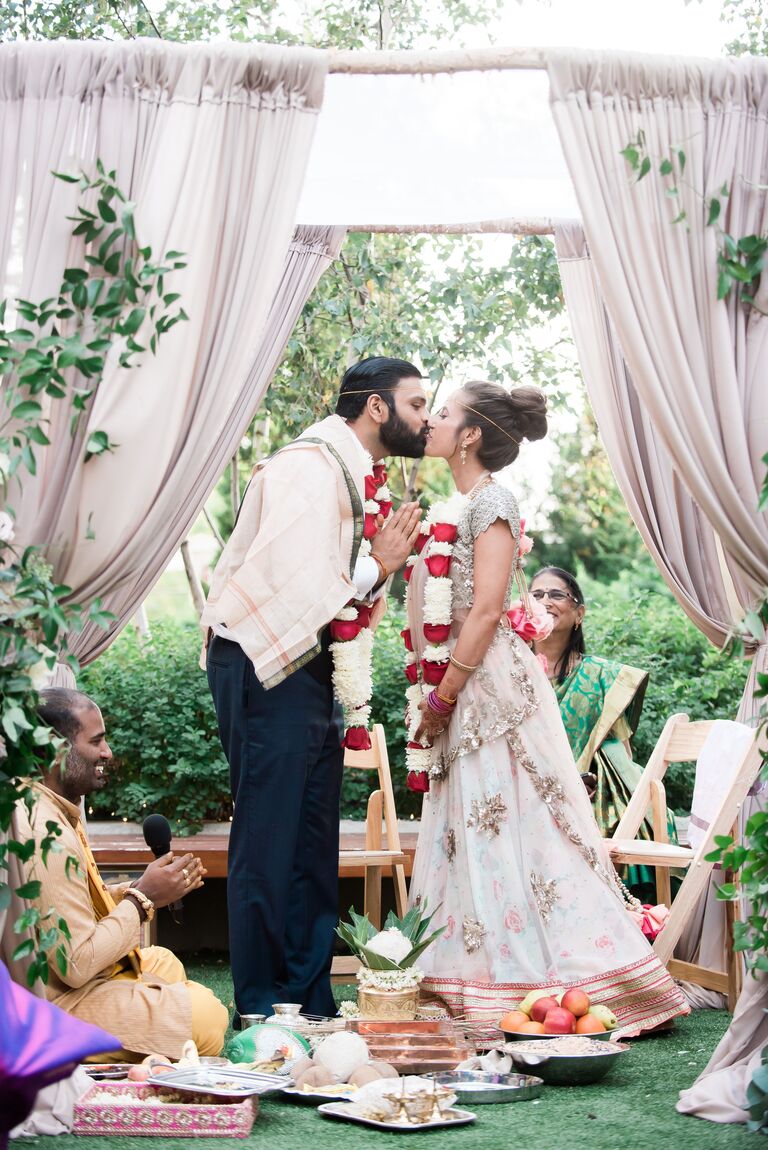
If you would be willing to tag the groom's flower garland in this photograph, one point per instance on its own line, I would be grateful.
(527, 617)
(351, 635)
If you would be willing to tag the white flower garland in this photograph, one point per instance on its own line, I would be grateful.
(407, 979)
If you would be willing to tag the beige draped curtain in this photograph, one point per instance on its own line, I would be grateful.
(211, 142)
(694, 363)
(676, 376)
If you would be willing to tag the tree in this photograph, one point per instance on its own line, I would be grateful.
(749, 20)
(589, 525)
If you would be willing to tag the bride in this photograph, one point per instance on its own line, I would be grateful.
(508, 849)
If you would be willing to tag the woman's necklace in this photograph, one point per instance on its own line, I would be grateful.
(482, 481)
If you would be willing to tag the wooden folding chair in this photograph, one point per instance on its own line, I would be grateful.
(381, 851)
(679, 742)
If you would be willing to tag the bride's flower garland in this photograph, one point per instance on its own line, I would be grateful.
(526, 616)
(352, 638)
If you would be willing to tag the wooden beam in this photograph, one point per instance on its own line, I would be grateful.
(432, 63)
(536, 226)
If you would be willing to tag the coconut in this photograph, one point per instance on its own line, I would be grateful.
(315, 1076)
(302, 1064)
(363, 1075)
(385, 1069)
(342, 1053)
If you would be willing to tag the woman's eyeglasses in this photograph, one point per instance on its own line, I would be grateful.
(555, 595)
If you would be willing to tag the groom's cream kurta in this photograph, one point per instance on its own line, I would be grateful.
(287, 568)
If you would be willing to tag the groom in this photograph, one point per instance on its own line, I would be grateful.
(291, 564)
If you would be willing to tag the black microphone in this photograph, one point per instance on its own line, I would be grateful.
(157, 836)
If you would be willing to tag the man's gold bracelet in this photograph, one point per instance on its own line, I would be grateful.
(143, 903)
(462, 666)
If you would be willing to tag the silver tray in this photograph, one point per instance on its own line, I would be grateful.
(449, 1118)
(475, 1087)
(221, 1081)
(319, 1095)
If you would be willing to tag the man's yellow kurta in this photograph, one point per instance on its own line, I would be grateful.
(154, 1012)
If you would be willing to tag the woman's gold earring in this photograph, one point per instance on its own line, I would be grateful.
(463, 453)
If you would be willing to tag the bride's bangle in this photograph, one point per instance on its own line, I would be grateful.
(462, 666)
(438, 705)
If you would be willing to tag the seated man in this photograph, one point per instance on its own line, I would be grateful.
(142, 996)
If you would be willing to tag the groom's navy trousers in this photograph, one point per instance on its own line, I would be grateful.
(285, 760)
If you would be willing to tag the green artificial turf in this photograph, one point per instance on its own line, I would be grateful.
(634, 1109)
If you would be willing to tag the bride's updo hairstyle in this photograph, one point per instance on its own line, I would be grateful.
(505, 419)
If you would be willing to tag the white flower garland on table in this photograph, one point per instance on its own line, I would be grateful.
(407, 979)
(352, 639)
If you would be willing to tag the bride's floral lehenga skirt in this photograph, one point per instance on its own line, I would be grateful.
(510, 852)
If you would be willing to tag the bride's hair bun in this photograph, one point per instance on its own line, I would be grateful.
(505, 418)
(529, 412)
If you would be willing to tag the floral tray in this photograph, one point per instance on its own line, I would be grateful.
(346, 1112)
(137, 1109)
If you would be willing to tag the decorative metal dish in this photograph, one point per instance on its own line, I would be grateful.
(103, 1071)
(576, 1062)
(220, 1082)
(475, 1087)
(344, 1110)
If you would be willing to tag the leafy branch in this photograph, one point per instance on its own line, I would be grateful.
(114, 307)
(740, 261)
(120, 292)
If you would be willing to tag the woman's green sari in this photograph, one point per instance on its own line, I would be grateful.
(600, 702)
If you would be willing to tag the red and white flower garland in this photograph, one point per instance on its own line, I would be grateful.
(526, 616)
(351, 635)
(436, 541)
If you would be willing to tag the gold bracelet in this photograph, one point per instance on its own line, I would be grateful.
(142, 902)
(383, 573)
(442, 698)
(462, 666)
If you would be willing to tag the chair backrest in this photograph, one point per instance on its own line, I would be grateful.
(680, 741)
(377, 759)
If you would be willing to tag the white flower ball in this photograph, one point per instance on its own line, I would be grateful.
(391, 944)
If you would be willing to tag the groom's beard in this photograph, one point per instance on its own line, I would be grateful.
(399, 439)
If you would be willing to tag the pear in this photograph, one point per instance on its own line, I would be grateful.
(606, 1016)
(527, 1004)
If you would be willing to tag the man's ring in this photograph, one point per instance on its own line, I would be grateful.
(185, 872)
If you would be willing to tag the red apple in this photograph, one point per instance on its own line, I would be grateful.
(541, 1008)
(559, 1021)
(576, 1001)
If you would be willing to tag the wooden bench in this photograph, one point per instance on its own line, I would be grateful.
(115, 852)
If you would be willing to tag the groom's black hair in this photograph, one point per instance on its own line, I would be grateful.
(378, 375)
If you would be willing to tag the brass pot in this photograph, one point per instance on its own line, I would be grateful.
(388, 1004)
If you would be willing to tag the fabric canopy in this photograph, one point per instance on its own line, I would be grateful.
(211, 142)
(435, 149)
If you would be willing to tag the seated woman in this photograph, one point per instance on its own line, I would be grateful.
(600, 702)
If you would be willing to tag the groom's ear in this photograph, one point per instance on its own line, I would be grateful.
(377, 409)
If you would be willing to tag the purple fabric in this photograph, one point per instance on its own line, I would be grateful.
(39, 1044)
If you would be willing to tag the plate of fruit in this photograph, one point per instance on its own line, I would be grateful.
(556, 1011)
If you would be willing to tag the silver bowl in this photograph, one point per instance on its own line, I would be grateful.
(478, 1086)
(563, 1069)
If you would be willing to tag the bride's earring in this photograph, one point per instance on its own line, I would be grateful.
(463, 453)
